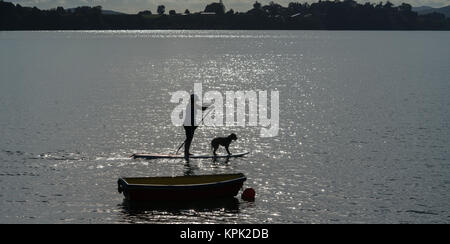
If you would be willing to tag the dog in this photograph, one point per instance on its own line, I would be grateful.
(223, 141)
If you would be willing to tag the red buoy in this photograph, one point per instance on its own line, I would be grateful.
(248, 195)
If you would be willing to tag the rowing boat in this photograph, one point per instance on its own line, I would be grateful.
(181, 187)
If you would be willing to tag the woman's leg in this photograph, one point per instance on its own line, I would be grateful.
(189, 137)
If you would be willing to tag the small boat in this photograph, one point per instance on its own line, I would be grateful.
(181, 187)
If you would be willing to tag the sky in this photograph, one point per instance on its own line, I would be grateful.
(134, 6)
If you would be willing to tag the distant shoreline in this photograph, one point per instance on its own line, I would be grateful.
(324, 15)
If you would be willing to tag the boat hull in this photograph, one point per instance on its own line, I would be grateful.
(192, 191)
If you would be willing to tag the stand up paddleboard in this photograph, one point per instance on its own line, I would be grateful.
(175, 156)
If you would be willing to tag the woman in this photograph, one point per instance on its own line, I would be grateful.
(190, 123)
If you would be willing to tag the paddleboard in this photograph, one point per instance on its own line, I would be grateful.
(175, 156)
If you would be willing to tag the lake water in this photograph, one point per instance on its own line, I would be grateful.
(364, 124)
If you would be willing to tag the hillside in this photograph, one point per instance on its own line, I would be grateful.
(111, 12)
(426, 10)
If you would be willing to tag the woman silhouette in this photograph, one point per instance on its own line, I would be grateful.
(190, 122)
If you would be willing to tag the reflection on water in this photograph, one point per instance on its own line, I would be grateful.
(364, 124)
(205, 211)
(226, 205)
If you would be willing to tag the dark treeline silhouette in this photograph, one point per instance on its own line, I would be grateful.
(322, 15)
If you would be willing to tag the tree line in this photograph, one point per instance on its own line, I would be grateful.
(321, 15)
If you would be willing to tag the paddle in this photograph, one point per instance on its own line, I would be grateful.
(200, 123)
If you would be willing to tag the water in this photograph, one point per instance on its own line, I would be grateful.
(364, 124)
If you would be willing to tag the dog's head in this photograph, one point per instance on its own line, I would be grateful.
(233, 137)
